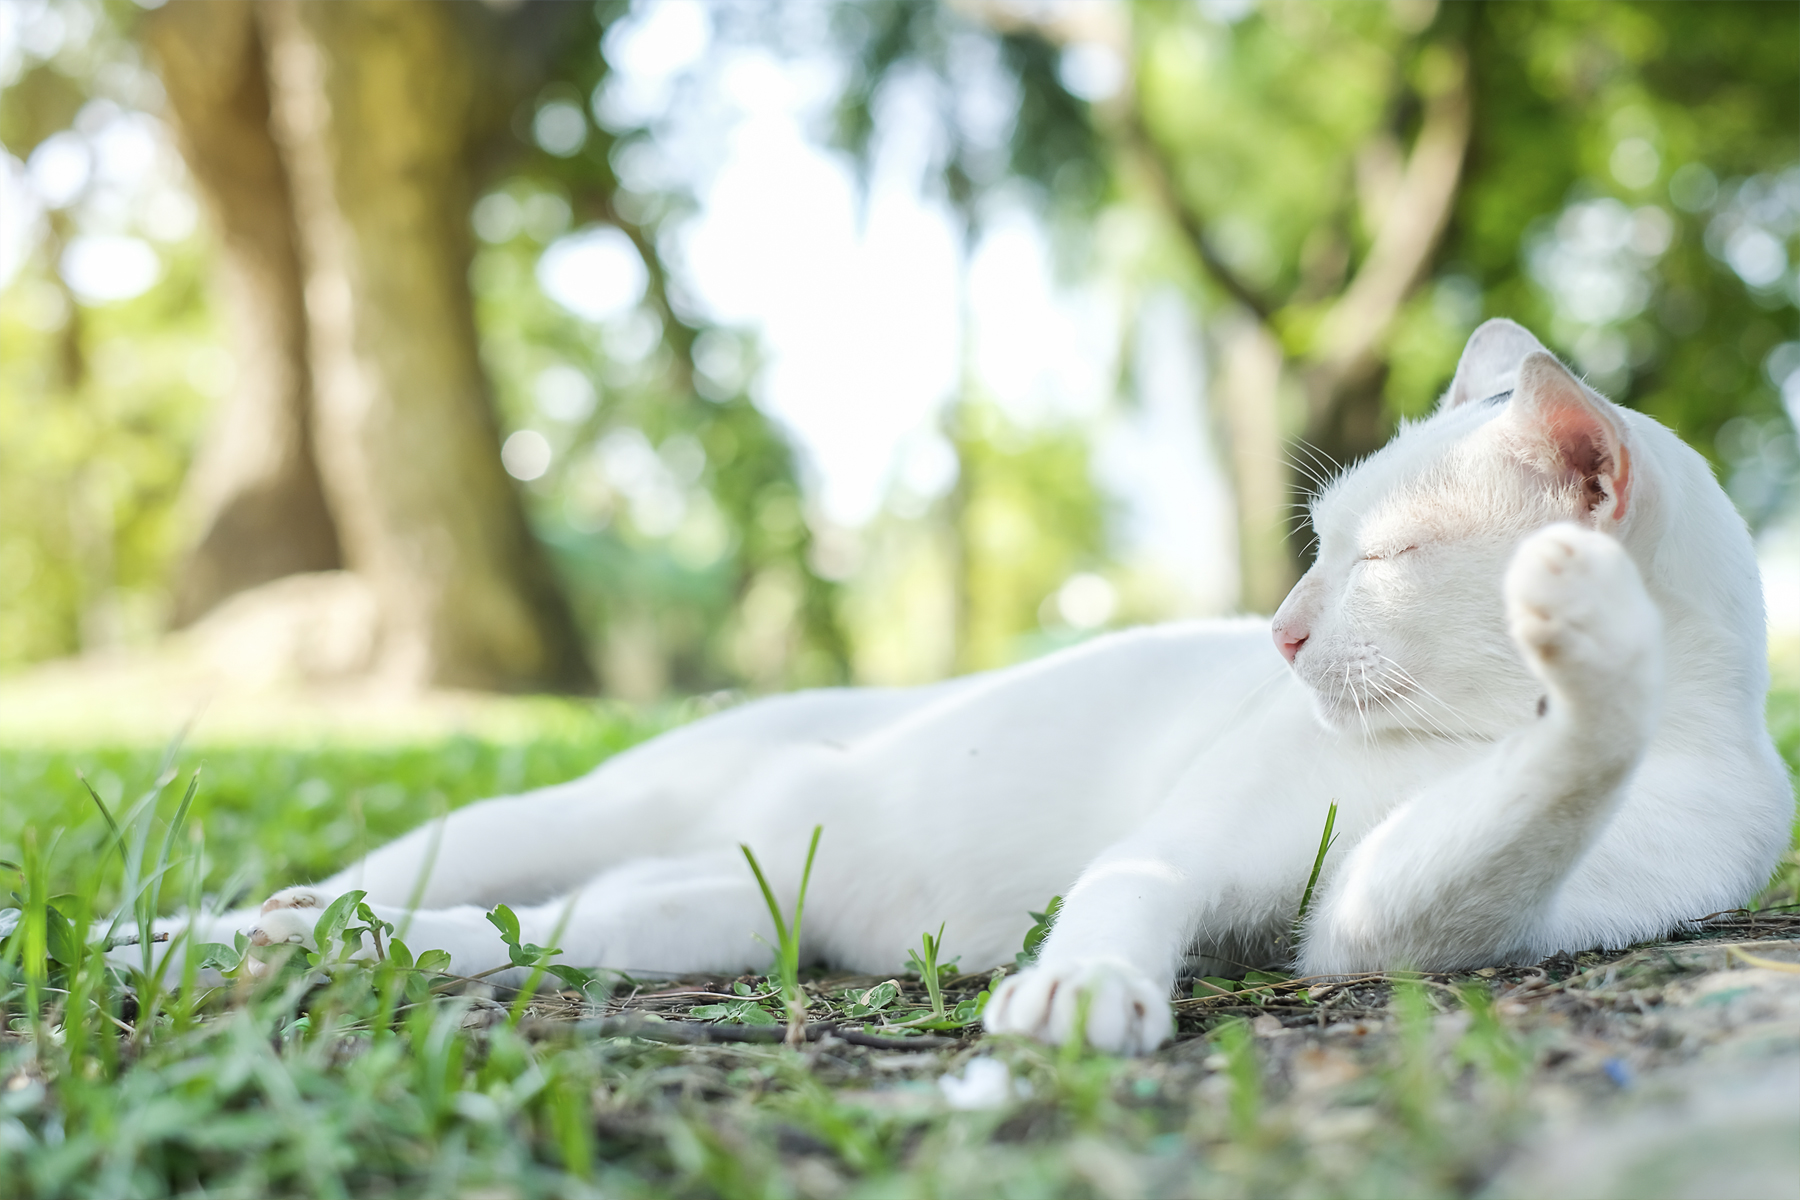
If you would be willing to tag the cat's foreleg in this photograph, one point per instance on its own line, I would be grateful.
(1110, 961)
(1465, 872)
(1198, 866)
(172, 940)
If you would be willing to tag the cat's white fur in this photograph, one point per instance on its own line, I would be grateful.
(1528, 666)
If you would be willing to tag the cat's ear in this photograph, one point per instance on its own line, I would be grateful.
(1573, 435)
(1489, 367)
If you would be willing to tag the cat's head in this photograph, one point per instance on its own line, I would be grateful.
(1400, 622)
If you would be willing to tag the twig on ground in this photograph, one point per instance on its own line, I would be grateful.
(692, 1032)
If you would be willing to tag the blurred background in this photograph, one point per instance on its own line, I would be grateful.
(663, 348)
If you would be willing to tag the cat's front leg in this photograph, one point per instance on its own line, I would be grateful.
(1587, 627)
(1464, 873)
(1109, 964)
(473, 943)
(1118, 1007)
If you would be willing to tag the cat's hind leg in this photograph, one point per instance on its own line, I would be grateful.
(698, 913)
(645, 803)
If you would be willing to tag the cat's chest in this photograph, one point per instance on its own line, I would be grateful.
(1301, 766)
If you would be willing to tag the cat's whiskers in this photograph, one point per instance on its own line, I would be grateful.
(1318, 466)
(1421, 713)
(1381, 698)
(1443, 728)
(1356, 702)
(1400, 721)
(1370, 696)
(1412, 681)
(1310, 474)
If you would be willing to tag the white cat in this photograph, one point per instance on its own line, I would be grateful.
(1528, 666)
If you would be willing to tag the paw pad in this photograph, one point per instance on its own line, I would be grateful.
(294, 898)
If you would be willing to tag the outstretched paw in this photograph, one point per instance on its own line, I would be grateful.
(284, 926)
(1126, 1012)
(288, 917)
(1580, 613)
(298, 897)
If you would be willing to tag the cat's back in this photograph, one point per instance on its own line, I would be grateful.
(1178, 671)
(1119, 693)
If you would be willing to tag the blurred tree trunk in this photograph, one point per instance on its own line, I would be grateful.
(377, 107)
(254, 490)
(1249, 391)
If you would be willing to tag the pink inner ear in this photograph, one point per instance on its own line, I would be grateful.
(1589, 447)
(1587, 442)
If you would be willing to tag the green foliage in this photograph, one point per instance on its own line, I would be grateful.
(930, 971)
(1487, 1045)
(535, 959)
(99, 412)
(1050, 143)
(670, 595)
(1656, 122)
(1784, 725)
(1256, 986)
(41, 102)
(1244, 1096)
(1711, 90)
(102, 405)
(289, 814)
(1285, 127)
(1041, 923)
(1416, 1087)
(873, 1000)
(1028, 515)
(1265, 118)
(751, 1010)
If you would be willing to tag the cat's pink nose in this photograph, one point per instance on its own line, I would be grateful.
(1289, 641)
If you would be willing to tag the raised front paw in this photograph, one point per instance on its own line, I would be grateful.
(1126, 1012)
(1579, 611)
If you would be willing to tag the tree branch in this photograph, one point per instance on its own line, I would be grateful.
(1410, 230)
(602, 206)
(1156, 168)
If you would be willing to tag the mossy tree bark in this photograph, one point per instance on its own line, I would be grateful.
(254, 493)
(378, 110)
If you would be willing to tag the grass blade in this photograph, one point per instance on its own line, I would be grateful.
(1768, 964)
(1312, 881)
(787, 950)
(781, 933)
(118, 837)
(180, 819)
(805, 878)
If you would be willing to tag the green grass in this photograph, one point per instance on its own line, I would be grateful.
(326, 1078)
(293, 814)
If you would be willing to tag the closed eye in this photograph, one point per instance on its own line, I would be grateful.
(1384, 556)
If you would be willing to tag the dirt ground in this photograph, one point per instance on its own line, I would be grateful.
(1667, 1070)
